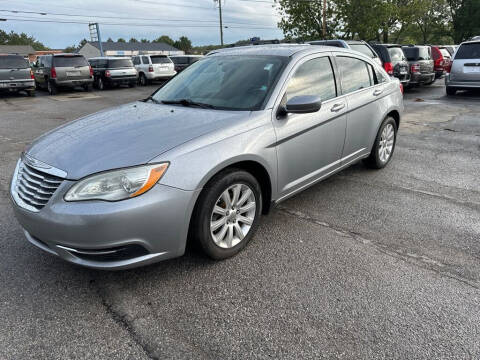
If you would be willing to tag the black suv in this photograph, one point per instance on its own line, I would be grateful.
(113, 71)
(394, 61)
(421, 64)
(357, 45)
(181, 62)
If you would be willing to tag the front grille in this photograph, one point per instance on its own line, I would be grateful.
(35, 187)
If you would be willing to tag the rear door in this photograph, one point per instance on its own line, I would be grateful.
(466, 63)
(71, 67)
(121, 68)
(310, 145)
(365, 112)
(13, 67)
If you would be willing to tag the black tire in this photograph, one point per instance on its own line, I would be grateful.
(99, 84)
(202, 214)
(88, 87)
(52, 88)
(31, 93)
(451, 91)
(132, 85)
(143, 80)
(374, 161)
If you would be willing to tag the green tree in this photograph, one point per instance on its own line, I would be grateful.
(304, 19)
(109, 39)
(133, 40)
(184, 44)
(13, 38)
(164, 39)
(144, 41)
(122, 40)
(465, 19)
(431, 19)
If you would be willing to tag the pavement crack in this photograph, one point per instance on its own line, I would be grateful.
(421, 261)
(122, 321)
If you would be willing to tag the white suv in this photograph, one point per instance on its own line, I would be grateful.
(153, 67)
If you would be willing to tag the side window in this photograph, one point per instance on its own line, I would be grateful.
(145, 60)
(136, 60)
(314, 77)
(380, 75)
(355, 74)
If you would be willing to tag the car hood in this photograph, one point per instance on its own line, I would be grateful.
(125, 136)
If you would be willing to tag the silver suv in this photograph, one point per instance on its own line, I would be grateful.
(153, 67)
(464, 73)
(16, 75)
(63, 70)
(205, 155)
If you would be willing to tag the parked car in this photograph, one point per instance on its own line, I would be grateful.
(464, 71)
(204, 156)
(450, 48)
(113, 71)
(16, 75)
(360, 46)
(394, 61)
(153, 67)
(441, 60)
(62, 70)
(421, 64)
(181, 62)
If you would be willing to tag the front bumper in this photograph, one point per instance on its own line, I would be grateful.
(83, 232)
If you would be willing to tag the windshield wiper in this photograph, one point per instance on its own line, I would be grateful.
(150, 98)
(188, 102)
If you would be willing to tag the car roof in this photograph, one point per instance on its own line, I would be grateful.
(286, 50)
(111, 58)
(471, 42)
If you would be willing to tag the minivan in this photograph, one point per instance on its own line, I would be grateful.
(464, 71)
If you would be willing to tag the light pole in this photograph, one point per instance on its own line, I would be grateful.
(221, 22)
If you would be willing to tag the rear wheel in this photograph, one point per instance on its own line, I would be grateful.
(31, 93)
(143, 79)
(451, 91)
(384, 145)
(227, 213)
(88, 87)
(99, 84)
(51, 87)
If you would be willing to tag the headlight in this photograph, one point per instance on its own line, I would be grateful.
(117, 184)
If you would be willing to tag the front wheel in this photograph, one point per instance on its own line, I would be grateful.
(384, 145)
(51, 87)
(227, 213)
(143, 79)
(451, 91)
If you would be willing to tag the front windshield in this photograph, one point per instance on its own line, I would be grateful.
(230, 82)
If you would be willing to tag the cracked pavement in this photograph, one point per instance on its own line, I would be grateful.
(364, 265)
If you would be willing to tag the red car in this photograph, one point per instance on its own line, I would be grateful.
(442, 59)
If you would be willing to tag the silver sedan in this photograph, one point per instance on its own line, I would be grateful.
(205, 155)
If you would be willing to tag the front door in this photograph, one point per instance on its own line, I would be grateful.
(309, 146)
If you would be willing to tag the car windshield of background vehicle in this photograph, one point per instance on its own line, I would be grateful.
(468, 51)
(364, 49)
(396, 54)
(120, 63)
(70, 61)
(13, 62)
(355, 74)
(314, 77)
(226, 82)
(160, 60)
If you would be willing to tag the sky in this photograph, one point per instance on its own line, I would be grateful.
(196, 19)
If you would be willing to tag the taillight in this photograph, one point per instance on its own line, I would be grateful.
(31, 74)
(91, 71)
(401, 88)
(415, 68)
(448, 67)
(107, 73)
(53, 73)
(388, 66)
(150, 68)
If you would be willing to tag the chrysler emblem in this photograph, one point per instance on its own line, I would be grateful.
(34, 162)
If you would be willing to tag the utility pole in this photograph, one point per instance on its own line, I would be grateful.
(221, 22)
(324, 21)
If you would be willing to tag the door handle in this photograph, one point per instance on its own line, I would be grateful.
(337, 107)
(377, 92)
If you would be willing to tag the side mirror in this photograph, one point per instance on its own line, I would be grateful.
(303, 104)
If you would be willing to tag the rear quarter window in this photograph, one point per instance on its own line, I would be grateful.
(13, 62)
(396, 54)
(468, 51)
(355, 74)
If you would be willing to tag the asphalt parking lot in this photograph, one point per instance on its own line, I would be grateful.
(365, 265)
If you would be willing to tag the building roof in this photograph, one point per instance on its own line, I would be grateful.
(23, 50)
(138, 46)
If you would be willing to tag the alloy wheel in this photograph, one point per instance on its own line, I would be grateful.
(233, 215)
(386, 143)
